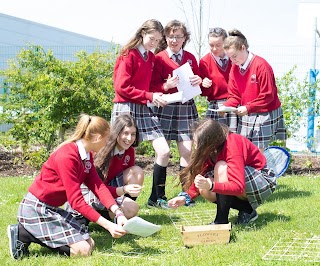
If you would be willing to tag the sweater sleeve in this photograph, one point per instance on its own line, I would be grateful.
(123, 81)
(157, 80)
(203, 68)
(234, 98)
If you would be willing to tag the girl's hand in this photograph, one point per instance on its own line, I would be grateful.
(202, 183)
(195, 80)
(121, 220)
(132, 189)
(206, 83)
(158, 100)
(171, 82)
(115, 230)
(241, 111)
(177, 202)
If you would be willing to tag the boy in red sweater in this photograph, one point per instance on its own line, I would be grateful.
(214, 71)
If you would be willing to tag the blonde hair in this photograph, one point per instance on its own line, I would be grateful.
(87, 127)
(236, 39)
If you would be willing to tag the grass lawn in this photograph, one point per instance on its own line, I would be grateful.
(292, 212)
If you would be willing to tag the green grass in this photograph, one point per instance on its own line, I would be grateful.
(291, 212)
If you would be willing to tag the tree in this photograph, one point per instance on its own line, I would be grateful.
(46, 95)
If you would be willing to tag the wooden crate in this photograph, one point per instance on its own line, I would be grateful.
(206, 234)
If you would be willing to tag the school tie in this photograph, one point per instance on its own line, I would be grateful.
(177, 58)
(145, 55)
(223, 62)
(242, 70)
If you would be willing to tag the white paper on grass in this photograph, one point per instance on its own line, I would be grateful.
(141, 227)
(170, 98)
(184, 73)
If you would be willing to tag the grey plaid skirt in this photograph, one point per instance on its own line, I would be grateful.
(53, 226)
(230, 119)
(262, 128)
(147, 122)
(176, 120)
(260, 184)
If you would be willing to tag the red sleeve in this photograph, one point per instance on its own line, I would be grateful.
(193, 192)
(203, 68)
(234, 98)
(124, 69)
(157, 79)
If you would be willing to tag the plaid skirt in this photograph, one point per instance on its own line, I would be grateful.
(147, 123)
(260, 184)
(53, 226)
(230, 119)
(176, 120)
(262, 128)
(92, 200)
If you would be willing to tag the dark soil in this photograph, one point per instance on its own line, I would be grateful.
(12, 165)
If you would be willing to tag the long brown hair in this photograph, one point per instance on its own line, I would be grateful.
(147, 27)
(210, 137)
(87, 127)
(103, 157)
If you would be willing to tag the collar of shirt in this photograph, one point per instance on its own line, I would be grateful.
(141, 49)
(82, 151)
(245, 65)
(217, 58)
(116, 151)
(170, 53)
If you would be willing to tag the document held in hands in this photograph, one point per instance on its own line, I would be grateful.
(184, 73)
(140, 227)
(170, 98)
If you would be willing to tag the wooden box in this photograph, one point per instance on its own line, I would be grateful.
(206, 234)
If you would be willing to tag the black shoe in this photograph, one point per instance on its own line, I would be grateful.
(245, 218)
(160, 204)
(17, 248)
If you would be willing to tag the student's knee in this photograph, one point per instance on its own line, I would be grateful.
(220, 172)
(138, 174)
(82, 249)
(130, 208)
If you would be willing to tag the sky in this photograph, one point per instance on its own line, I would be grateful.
(263, 21)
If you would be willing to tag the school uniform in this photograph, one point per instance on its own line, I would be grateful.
(120, 161)
(213, 68)
(254, 86)
(175, 118)
(247, 171)
(132, 75)
(59, 181)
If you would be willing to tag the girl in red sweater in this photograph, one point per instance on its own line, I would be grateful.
(115, 164)
(253, 90)
(42, 221)
(214, 71)
(228, 169)
(176, 118)
(132, 75)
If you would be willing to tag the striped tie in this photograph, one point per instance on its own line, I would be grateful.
(223, 62)
(177, 58)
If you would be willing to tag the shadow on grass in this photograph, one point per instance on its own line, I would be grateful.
(284, 192)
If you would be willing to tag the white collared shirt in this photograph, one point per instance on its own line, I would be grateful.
(141, 49)
(116, 151)
(84, 155)
(217, 58)
(245, 65)
(170, 53)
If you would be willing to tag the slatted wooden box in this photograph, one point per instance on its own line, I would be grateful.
(206, 234)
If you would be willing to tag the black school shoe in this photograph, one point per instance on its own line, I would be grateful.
(17, 248)
(245, 218)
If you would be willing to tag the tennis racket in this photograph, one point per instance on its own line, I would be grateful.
(278, 159)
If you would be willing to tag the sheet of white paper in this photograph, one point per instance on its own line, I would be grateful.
(141, 227)
(184, 73)
(170, 98)
(224, 109)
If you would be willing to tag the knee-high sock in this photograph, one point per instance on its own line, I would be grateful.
(25, 237)
(158, 183)
(223, 208)
(241, 205)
